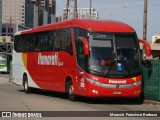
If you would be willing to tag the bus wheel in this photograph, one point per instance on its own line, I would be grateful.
(27, 89)
(140, 100)
(70, 91)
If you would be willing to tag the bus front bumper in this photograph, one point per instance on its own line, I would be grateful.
(96, 89)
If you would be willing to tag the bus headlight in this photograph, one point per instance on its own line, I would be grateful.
(92, 81)
(137, 83)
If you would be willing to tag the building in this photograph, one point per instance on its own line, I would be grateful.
(82, 13)
(44, 10)
(39, 12)
(155, 50)
(29, 15)
(52, 11)
(156, 38)
(11, 12)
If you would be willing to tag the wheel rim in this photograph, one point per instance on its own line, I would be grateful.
(25, 85)
(71, 90)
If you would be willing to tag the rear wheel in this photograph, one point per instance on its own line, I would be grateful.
(27, 89)
(70, 91)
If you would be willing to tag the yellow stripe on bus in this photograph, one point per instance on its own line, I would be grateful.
(134, 78)
(24, 57)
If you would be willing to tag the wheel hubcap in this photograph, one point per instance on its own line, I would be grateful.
(71, 90)
(25, 86)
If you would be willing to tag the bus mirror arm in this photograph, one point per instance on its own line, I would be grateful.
(147, 62)
(147, 49)
(86, 45)
(148, 65)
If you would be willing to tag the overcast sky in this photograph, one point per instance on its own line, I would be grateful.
(128, 11)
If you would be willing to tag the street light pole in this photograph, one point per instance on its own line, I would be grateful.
(10, 26)
(90, 11)
(145, 20)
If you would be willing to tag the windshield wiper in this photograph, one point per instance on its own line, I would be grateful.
(96, 71)
(110, 66)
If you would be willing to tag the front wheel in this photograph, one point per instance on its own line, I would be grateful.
(140, 100)
(70, 91)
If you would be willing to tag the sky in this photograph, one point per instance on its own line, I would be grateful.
(127, 11)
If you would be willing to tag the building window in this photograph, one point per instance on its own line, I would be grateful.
(3, 30)
(10, 29)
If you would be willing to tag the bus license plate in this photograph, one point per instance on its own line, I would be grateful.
(117, 92)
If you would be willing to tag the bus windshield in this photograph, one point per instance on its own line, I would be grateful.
(114, 55)
(2, 58)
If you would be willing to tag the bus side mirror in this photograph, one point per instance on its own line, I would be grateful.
(147, 48)
(86, 45)
(147, 61)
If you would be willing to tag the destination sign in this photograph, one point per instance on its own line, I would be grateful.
(101, 36)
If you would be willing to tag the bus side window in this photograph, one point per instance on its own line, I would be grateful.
(36, 43)
(80, 53)
(51, 38)
(66, 41)
(16, 43)
(42, 38)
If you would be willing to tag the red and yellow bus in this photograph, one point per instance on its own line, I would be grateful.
(92, 58)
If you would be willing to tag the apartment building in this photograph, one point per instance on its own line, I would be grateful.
(11, 12)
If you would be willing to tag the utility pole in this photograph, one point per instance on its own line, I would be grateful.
(10, 26)
(75, 9)
(145, 20)
(90, 10)
(71, 9)
(67, 10)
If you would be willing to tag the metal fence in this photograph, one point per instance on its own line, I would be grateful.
(151, 81)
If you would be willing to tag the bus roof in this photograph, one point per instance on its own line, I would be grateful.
(88, 24)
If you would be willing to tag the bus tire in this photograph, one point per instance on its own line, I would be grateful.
(140, 99)
(70, 91)
(27, 89)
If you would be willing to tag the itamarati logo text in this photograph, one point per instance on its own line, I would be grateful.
(49, 60)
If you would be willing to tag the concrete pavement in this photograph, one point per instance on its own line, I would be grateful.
(5, 80)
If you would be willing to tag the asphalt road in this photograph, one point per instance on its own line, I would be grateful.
(13, 98)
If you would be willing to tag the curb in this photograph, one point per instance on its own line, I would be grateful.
(3, 80)
(151, 102)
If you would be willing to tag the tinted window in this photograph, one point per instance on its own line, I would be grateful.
(57, 40)
(63, 40)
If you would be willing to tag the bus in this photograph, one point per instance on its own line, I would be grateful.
(4, 62)
(84, 57)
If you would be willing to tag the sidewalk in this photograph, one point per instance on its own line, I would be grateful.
(151, 102)
(3, 80)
